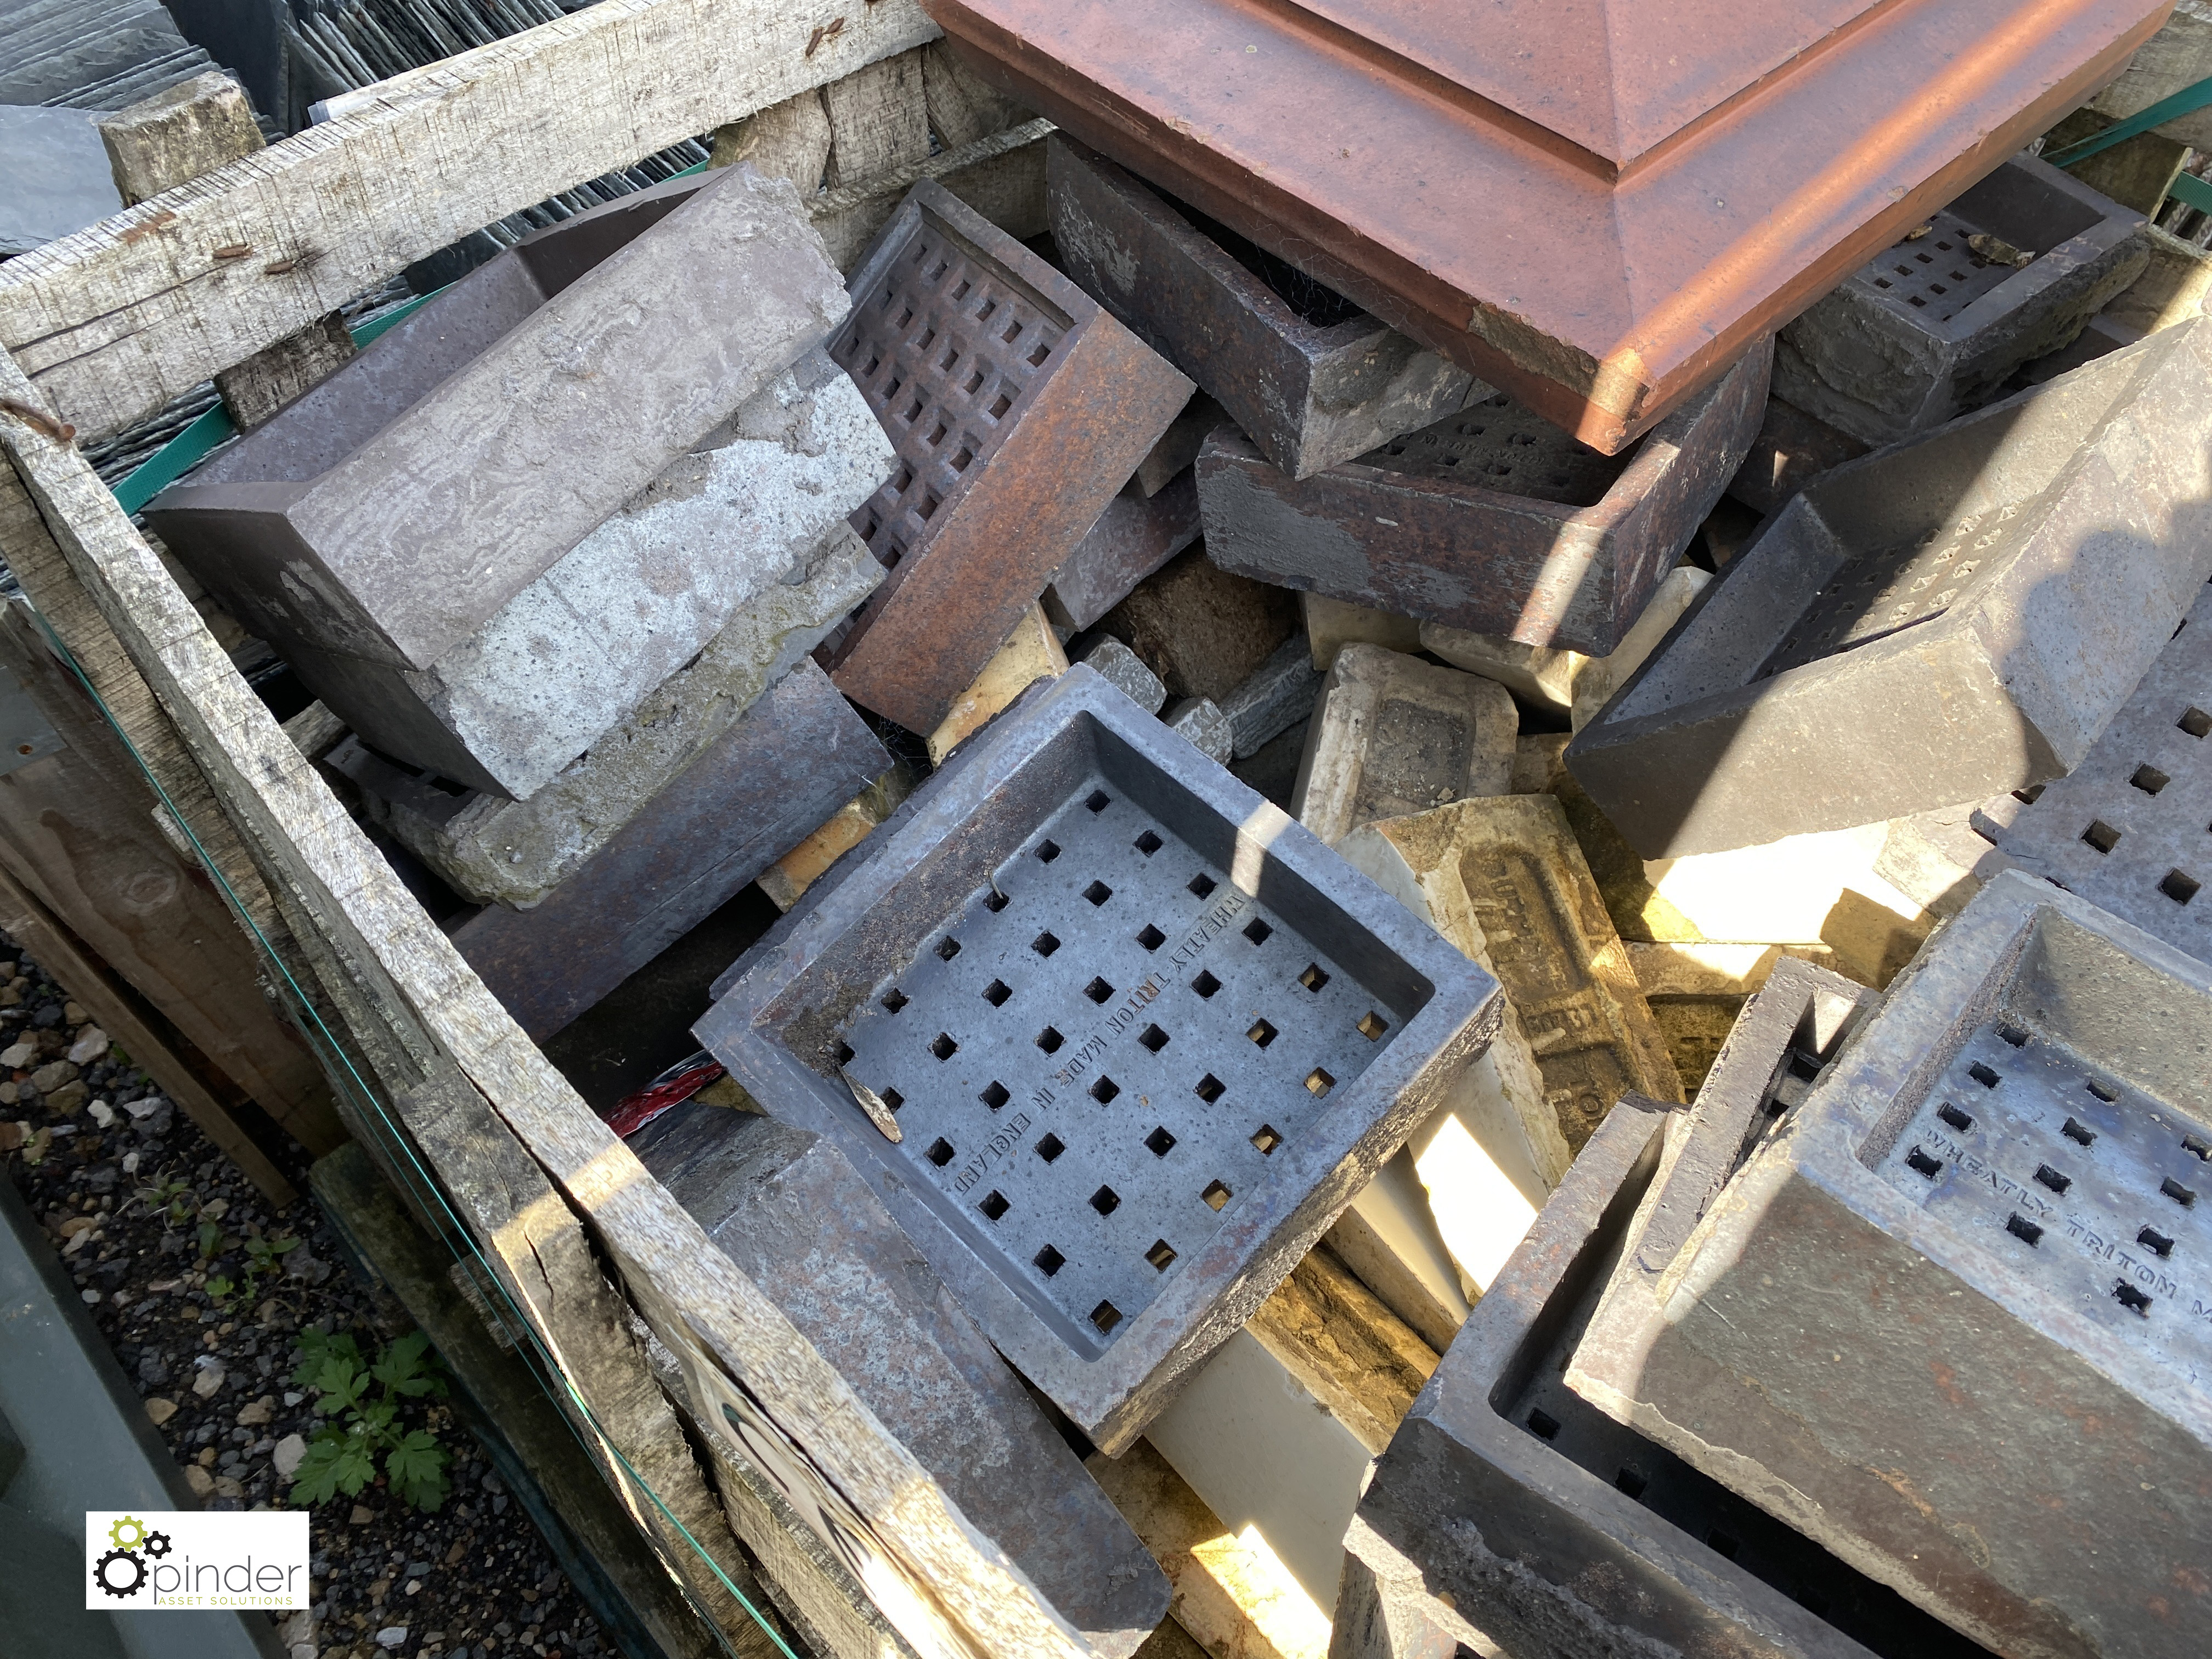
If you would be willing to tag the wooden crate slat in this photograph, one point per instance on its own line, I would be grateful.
(115, 320)
(951, 1590)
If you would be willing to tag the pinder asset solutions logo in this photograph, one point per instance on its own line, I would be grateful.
(193, 1560)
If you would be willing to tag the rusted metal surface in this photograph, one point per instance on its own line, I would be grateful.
(1311, 379)
(1491, 519)
(1134, 536)
(1595, 204)
(799, 754)
(1018, 409)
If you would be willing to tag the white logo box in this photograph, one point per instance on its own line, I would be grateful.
(195, 1560)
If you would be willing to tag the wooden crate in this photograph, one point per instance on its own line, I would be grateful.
(615, 1283)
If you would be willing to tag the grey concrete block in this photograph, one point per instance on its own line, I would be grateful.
(1508, 1516)
(1204, 726)
(494, 850)
(58, 178)
(1278, 694)
(1312, 378)
(1392, 734)
(1953, 617)
(1991, 1206)
(794, 758)
(1137, 533)
(1492, 520)
(1142, 1036)
(393, 511)
(2131, 828)
(1123, 670)
(1933, 326)
(801, 1224)
(574, 652)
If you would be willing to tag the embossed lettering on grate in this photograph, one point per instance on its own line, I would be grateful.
(2131, 828)
(1935, 275)
(1497, 444)
(943, 353)
(2106, 1192)
(1885, 590)
(1099, 1053)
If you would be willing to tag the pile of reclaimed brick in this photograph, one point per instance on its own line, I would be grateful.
(1444, 987)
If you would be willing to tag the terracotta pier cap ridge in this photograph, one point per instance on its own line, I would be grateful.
(1594, 204)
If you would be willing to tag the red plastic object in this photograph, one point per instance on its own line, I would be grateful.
(1594, 204)
(665, 1092)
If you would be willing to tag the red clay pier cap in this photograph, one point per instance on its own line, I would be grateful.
(1594, 204)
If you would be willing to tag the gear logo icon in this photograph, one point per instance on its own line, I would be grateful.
(106, 1573)
(157, 1544)
(131, 1524)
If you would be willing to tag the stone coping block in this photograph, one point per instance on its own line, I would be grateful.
(1202, 725)
(1992, 1205)
(1310, 378)
(1391, 734)
(589, 357)
(1503, 879)
(2131, 828)
(1141, 1037)
(572, 654)
(801, 1224)
(1508, 1517)
(1933, 326)
(495, 851)
(1019, 408)
(793, 758)
(1953, 617)
(1492, 520)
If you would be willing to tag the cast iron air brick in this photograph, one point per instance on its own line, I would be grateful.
(1017, 408)
(801, 1224)
(1491, 519)
(795, 757)
(1594, 207)
(390, 512)
(2131, 828)
(1506, 1506)
(1112, 999)
(1997, 1206)
(1933, 326)
(1311, 377)
(1950, 618)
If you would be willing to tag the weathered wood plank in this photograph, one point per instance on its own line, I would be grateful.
(115, 320)
(77, 829)
(32, 926)
(948, 1589)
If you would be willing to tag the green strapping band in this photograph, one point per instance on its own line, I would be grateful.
(2187, 101)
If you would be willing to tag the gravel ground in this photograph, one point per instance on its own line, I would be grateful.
(127, 1189)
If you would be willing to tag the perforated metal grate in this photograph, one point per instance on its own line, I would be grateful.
(1100, 1050)
(1499, 445)
(943, 353)
(1936, 275)
(2131, 828)
(2102, 1192)
(1885, 590)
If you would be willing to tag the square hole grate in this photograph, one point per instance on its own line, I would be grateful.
(1936, 275)
(2086, 1160)
(1147, 1064)
(2131, 828)
(1140, 1150)
(1499, 444)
